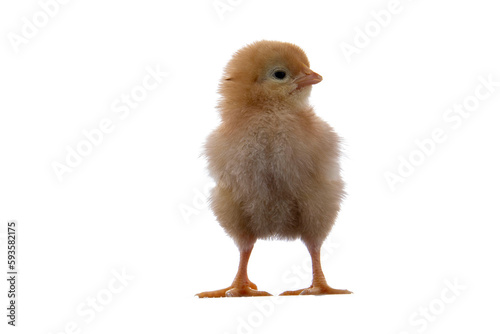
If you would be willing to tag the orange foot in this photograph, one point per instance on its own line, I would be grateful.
(321, 289)
(240, 290)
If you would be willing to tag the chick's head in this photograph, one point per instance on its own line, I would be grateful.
(266, 74)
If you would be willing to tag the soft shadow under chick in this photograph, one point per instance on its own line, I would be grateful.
(274, 161)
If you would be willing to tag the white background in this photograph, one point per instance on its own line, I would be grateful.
(136, 203)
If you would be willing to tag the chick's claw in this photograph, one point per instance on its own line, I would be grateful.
(322, 290)
(317, 291)
(249, 290)
(246, 292)
(214, 294)
(292, 292)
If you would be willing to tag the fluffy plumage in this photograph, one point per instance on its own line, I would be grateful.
(274, 161)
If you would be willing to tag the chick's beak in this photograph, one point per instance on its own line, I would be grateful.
(309, 78)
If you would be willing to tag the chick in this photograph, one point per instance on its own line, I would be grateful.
(274, 161)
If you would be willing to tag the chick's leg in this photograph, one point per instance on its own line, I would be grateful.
(241, 286)
(319, 285)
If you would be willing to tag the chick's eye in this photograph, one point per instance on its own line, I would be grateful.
(279, 74)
